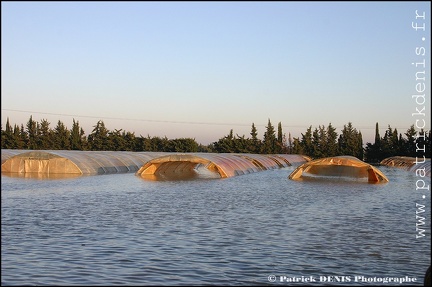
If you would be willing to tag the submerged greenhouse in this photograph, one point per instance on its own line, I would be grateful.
(221, 165)
(68, 162)
(340, 167)
(50, 163)
(412, 164)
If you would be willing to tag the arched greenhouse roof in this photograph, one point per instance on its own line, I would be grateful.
(224, 164)
(409, 163)
(339, 166)
(74, 162)
(141, 163)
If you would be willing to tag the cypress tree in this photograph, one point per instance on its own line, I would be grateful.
(306, 142)
(255, 142)
(269, 142)
(98, 139)
(7, 136)
(332, 145)
(32, 134)
(61, 137)
(45, 135)
(76, 136)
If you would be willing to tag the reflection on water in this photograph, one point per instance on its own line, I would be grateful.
(122, 230)
(335, 179)
(41, 176)
(199, 172)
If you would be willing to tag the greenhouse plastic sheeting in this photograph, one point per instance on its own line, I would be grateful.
(263, 161)
(225, 164)
(8, 153)
(409, 163)
(293, 159)
(423, 167)
(74, 162)
(339, 166)
(399, 161)
(141, 163)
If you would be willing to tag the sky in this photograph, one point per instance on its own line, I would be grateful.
(199, 69)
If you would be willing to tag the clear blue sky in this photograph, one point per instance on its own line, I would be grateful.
(198, 69)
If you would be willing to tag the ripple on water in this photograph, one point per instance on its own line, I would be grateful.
(123, 230)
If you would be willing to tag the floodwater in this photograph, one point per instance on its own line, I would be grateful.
(121, 229)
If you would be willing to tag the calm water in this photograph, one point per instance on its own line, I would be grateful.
(123, 230)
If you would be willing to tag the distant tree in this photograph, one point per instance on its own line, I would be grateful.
(389, 144)
(373, 151)
(32, 134)
(98, 139)
(204, 148)
(61, 137)
(282, 144)
(297, 147)
(410, 148)
(306, 142)
(242, 144)
(45, 140)
(331, 144)
(116, 141)
(183, 145)
(269, 145)
(350, 142)
(7, 137)
(77, 137)
(316, 145)
(225, 144)
(290, 144)
(22, 137)
(255, 143)
(161, 144)
(360, 150)
(130, 141)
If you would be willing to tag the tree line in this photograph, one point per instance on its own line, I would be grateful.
(316, 143)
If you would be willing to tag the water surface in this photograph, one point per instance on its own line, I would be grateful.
(121, 229)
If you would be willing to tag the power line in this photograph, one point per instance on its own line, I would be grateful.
(165, 121)
(127, 119)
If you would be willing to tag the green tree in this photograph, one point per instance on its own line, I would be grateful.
(331, 144)
(290, 144)
(77, 137)
(350, 142)
(61, 137)
(32, 134)
(306, 142)
(297, 147)
(45, 140)
(21, 136)
(130, 141)
(389, 143)
(269, 145)
(241, 144)
(280, 139)
(98, 139)
(316, 145)
(225, 144)
(116, 140)
(255, 143)
(183, 145)
(373, 151)
(7, 137)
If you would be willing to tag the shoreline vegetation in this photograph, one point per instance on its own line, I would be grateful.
(316, 143)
